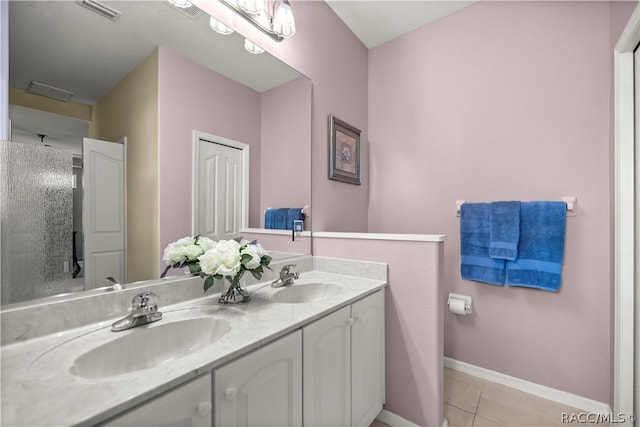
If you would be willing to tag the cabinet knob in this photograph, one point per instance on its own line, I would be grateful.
(203, 408)
(351, 321)
(230, 393)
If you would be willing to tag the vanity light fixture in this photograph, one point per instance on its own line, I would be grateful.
(275, 19)
(219, 27)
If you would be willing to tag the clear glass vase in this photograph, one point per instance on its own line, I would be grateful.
(235, 293)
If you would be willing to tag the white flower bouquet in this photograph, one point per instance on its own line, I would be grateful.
(185, 252)
(228, 259)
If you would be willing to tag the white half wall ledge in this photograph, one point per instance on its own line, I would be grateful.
(545, 392)
(381, 236)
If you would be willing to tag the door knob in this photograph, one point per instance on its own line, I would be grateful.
(230, 393)
(203, 408)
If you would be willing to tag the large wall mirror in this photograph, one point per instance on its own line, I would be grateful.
(66, 45)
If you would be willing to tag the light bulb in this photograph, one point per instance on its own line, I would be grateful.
(183, 4)
(284, 24)
(219, 27)
(253, 7)
(251, 47)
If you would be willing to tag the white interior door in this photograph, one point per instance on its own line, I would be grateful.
(103, 213)
(220, 187)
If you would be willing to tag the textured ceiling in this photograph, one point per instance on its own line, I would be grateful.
(63, 44)
(377, 22)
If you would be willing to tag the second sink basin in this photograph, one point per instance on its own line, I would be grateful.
(146, 347)
(306, 293)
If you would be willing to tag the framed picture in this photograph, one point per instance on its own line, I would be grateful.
(344, 151)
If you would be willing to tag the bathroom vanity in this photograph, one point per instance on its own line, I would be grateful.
(317, 344)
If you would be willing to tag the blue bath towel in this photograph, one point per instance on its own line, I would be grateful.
(281, 218)
(476, 264)
(504, 230)
(541, 246)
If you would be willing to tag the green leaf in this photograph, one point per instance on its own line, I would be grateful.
(256, 274)
(245, 258)
(208, 283)
(195, 268)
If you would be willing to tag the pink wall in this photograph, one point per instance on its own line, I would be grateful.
(327, 52)
(286, 133)
(502, 101)
(189, 98)
(413, 321)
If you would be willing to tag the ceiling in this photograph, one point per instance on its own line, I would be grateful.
(376, 22)
(65, 45)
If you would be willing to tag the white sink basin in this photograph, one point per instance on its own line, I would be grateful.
(148, 346)
(306, 293)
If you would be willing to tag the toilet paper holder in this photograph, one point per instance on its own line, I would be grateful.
(465, 298)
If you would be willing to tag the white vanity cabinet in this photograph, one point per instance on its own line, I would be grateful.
(188, 405)
(263, 388)
(344, 365)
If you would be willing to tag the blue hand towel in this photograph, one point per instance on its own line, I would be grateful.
(476, 264)
(504, 230)
(268, 218)
(293, 214)
(280, 219)
(541, 246)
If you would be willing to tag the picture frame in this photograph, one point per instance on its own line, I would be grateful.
(344, 152)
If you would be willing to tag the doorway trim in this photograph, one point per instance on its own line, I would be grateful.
(245, 148)
(624, 214)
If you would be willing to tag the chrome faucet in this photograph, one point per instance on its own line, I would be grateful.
(113, 282)
(142, 312)
(286, 276)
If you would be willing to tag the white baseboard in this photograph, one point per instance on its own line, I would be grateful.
(393, 420)
(545, 392)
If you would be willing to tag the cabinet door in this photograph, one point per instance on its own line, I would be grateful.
(188, 405)
(263, 388)
(327, 370)
(367, 359)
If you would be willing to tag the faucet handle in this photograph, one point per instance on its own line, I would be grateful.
(141, 300)
(285, 268)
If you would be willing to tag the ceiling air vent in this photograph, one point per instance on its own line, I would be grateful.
(192, 11)
(49, 91)
(101, 9)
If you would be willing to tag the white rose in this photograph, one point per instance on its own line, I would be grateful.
(228, 245)
(185, 241)
(206, 243)
(210, 262)
(173, 254)
(192, 252)
(254, 262)
(260, 250)
(230, 264)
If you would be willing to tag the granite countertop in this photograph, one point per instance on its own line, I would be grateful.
(38, 387)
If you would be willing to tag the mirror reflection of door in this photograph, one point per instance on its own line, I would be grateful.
(221, 187)
(104, 212)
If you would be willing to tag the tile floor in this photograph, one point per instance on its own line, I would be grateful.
(474, 402)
